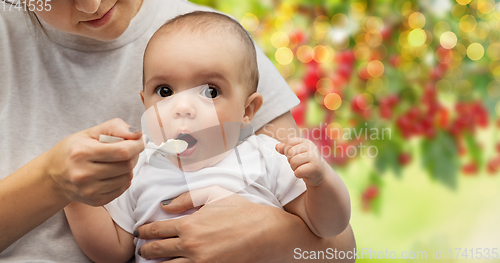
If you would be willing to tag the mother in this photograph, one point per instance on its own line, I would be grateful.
(84, 69)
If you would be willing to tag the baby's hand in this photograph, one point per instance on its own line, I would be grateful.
(305, 159)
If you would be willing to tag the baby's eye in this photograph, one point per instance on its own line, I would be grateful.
(164, 91)
(210, 92)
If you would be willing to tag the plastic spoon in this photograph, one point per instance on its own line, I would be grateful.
(171, 146)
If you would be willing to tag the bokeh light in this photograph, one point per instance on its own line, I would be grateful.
(448, 40)
(475, 51)
(280, 39)
(322, 54)
(375, 68)
(340, 21)
(304, 54)
(284, 24)
(340, 39)
(417, 37)
(463, 2)
(468, 23)
(332, 101)
(284, 56)
(416, 20)
(250, 22)
(334, 131)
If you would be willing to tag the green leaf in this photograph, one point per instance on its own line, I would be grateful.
(475, 152)
(376, 205)
(440, 159)
(314, 113)
(387, 158)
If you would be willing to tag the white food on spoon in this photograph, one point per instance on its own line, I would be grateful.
(173, 146)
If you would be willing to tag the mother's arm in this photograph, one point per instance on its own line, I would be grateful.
(78, 168)
(28, 197)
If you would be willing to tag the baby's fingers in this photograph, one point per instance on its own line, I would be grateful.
(284, 148)
(280, 147)
(299, 159)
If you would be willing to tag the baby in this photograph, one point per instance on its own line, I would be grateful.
(200, 83)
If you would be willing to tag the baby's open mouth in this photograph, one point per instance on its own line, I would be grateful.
(188, 138)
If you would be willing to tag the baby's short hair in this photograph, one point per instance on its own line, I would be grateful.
(212, 23)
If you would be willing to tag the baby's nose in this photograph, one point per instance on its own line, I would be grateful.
(184, 109)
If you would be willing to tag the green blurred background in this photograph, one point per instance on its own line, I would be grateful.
(425, 72)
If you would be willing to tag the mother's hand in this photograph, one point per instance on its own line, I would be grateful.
(232, 229)
(92, 172)
(215, 233)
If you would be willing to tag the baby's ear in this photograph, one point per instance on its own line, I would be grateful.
(252, 105)
(142, 96)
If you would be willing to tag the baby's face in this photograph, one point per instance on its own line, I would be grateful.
(193, 91)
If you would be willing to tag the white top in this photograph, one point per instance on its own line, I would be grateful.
(51, 88)
(253, 169)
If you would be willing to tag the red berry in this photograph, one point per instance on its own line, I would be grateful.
(493, 165)
(404, 158)
(470, 168)
(413, 113)
(386, 33)
(347, 57)
(482, 122)
(359, 104)
(339, 160)
(299, 113)
(385, 111)
(430, 132)
(433, 109)
(371, 192)
(393, 100)
(302, 92)
(403, 122)
(310, 80)
(455, 129)
(363, 74)
(418, 128)
(461, 149)
(406, 134)
(444, 55)
(345, 71)
(395, 61)
(427, 122)
(297, 37)
(443, 116)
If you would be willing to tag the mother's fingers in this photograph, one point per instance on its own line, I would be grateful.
(179, 204)
(107, 197)
(159, 229)
(161, 249)
(179, 260)
(115, 127)
(112, 184)
(114, 152)
(107, 170)
(197, 198)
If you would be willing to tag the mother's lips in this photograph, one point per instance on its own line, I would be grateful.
(101, 21)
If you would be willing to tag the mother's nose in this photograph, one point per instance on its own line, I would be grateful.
(87, 6)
